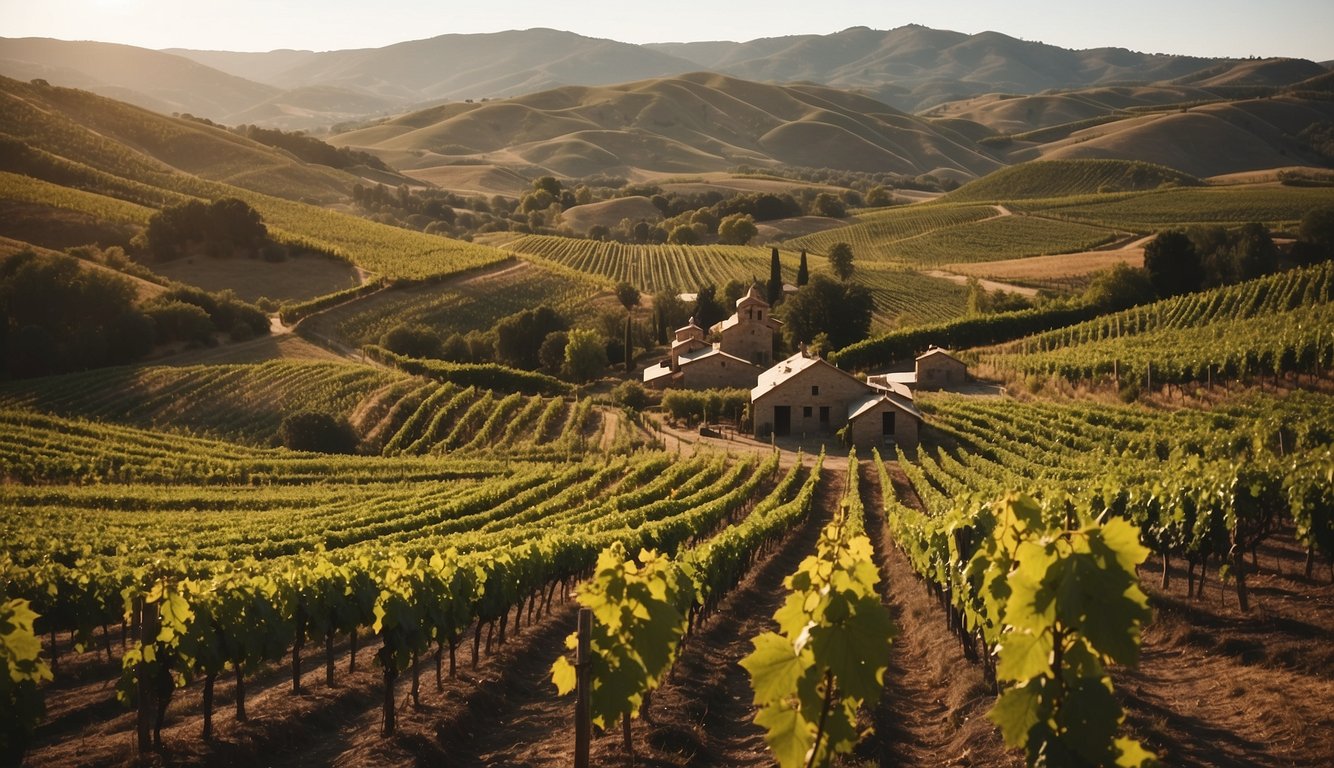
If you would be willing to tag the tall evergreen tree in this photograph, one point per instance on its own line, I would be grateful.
(803, 274)
(775, 279)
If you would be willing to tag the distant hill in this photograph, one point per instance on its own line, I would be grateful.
(692, 123)
(140, 76)
(911, 68)
(168, 83)
(1208, 140)
(915, 67)
(113, 137)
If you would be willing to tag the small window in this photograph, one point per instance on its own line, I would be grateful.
(815, 390)
(806, 412)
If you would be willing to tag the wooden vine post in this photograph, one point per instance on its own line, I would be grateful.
(583, 721)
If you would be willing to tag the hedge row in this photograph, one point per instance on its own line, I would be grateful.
(482, 375)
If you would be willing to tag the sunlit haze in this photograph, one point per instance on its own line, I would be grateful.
(1233, 28)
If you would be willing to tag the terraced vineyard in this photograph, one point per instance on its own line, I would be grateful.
(873, 235)
(1145, 212)
(244, 403)
(1273, 325)
(391, 412)
(463, 305)
(653, 268)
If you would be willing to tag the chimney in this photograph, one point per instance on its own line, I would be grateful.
(802, 348)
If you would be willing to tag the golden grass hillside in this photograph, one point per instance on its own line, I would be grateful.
(692, 123)
(1203, 141)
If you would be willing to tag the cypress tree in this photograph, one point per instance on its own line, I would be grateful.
(775, 278)
(803, 274)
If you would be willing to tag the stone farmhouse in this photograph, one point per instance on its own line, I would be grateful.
(933, 369)
(743, 349)
(806, 395)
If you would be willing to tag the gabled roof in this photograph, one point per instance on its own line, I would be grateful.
(655, 372)
(938, 351)
(785, 370)
(887, 380)
(700, 354)
(896, 387)
(867, 404)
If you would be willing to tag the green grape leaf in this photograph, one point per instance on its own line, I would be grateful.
(787, 733)
(1134, 755)
(1023, 655)
(1017, 710)
(564, 675)
(774, 667)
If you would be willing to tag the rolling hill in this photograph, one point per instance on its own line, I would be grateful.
(915, 67)
(168, 83)
(692, 123)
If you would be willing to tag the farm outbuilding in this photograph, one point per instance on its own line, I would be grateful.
(938, 369)
(806, 395)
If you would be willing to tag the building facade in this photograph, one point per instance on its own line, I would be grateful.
(805, 395)
(743, 347)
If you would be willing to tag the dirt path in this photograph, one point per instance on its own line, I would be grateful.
(703, 716)
(934, 709)
(1216, 686)
(990, 285)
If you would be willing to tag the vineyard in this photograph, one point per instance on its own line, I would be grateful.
(902, 297)
(944, 233)
(1146, 212)
(461, 306)
(654, 268)
(391, 413)
(1272, 326)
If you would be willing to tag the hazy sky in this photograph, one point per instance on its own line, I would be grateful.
(1303, 28)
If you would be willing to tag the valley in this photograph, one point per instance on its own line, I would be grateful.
(332, 403)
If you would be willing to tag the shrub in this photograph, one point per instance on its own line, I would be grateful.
(412, 340)
(317, 431)
(630, 395)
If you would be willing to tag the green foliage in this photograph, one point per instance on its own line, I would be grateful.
(840, 310)
(829, 656)
(1271, 325)
(774, 288)
(737, 229)
(1069, 602)
(637, 627)
(519, 337)
(219, 228)
(705, 405)
(317, 432)
(55, 316)
(22, 669)
(840, 260)
(585, 355)
(630, 395)
(627, 294)
(484, 375)
(900, 346)
(176, 320)
(412, 340)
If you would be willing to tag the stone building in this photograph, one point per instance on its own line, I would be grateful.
(806, 395)
(743, 347)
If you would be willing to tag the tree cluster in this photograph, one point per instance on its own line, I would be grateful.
(58, 316)
(310, 149)
(531, 340)
(1205, 257)
(837, 313)
(220, 228)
